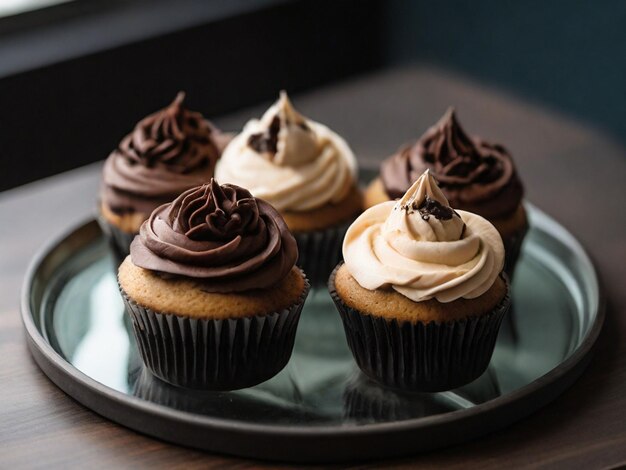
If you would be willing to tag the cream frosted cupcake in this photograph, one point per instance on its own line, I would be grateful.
(307, 172)
(167, 152)
(212, 289)
(474, 175)
(421, 293)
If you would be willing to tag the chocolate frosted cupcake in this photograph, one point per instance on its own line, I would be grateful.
(212, 290)
(307, 172)
(168, 152)
(474, 175)
(421, 293)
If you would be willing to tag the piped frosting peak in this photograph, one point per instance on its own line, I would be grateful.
(422, 248)
(219, 234)
(167, 152)
(475, 175)
(174, 137)
(292, 162)
(424, 212)
(287, 139)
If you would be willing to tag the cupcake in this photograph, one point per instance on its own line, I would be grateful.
(212, 289)
(474, 175)
(421, 293)
(168, 152)
(304, 170)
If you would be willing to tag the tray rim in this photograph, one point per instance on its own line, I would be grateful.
(96, 396)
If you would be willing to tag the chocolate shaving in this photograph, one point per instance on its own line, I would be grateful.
(433, 207)
(266, 142)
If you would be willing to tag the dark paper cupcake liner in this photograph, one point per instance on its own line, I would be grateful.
(426, 357)
(320, 251)
(119, 241)
(214, 354)
(512, 250)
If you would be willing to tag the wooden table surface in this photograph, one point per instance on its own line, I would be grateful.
(575, 173)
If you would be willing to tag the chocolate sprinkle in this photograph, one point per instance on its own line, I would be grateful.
(266, 141)
(433, 207)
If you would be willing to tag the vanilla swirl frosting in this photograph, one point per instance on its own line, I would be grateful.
(292, 162)
(422, 248)
(475, 175)
(168, 152)
(220, 234)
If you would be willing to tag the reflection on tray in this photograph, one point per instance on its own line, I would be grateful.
(320, 385)
(255, 405)
(271, 402)
(102, 325)
(367, 402)
(75, 305)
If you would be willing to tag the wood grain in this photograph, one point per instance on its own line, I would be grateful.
(575, 173)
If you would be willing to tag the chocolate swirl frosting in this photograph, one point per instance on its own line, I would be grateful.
(168, 152)
(219, 234)
(474, 175)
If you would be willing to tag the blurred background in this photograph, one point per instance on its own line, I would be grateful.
(75, 75)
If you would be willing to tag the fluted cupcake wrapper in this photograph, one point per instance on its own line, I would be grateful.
(512, 250)
(119, 241)
(425, 357)
(320, 251)
(214, 354)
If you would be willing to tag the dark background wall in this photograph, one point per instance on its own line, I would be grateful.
(570, 55)
(74, 112)
(66, 112)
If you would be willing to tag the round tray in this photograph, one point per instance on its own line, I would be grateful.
(319, 408)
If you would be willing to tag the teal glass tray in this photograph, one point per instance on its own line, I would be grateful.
(319, 408)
